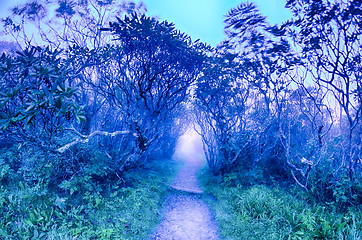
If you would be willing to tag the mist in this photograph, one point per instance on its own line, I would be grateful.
(189, 148)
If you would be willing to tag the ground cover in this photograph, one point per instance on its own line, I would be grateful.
(128, 209)
(262, 212)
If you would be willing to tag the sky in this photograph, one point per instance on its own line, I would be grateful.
(201, 19)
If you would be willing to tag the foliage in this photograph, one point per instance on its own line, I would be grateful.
(37, 99)
(259, 212)
(255, 63)
(137, 85)
(220, 101)
(82, 206)
(263, 102)
(329, 34)
(63, 23)
(149, 73)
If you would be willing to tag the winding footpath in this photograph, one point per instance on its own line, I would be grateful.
(186, 216)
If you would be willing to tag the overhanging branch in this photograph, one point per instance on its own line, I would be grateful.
(85, 138)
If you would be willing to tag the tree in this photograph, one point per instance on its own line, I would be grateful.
(266, 59)
(37, 97)
(148, 75)
(329, 35)
(75, 27)
(60, 24)
(220, 105)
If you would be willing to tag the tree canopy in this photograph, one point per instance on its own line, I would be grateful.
(278, 103)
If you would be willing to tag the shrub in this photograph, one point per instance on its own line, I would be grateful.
(259, 212)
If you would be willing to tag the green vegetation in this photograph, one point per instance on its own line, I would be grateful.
(261, 212)
(264, 101)
(104, 89)
(85, 206)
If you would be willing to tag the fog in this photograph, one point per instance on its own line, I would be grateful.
(189, 148)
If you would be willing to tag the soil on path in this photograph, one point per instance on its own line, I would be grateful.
(186, 216)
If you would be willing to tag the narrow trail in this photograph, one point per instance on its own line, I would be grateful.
(186, 216)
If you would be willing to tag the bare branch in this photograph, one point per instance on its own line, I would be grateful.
(85, 138)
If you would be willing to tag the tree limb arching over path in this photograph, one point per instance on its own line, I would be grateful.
(186, 216)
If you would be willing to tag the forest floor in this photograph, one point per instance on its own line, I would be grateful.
(186, 215)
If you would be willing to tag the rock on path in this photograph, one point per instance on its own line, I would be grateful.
(186, 216)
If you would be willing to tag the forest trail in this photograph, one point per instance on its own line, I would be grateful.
(186, 216)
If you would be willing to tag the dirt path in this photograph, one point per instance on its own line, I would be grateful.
(186, 216)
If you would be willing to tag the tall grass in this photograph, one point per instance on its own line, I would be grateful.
(128, 209)
(261, 212)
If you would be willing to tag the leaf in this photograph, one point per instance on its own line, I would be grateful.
(35, 91)
(30, 119)
(20, 118)
(31, 107)
(4, 234)
(35, 234)
(82, 118)
(5, 125)
(3, 115)
(299, 233)
(43, 103)
(60, 88)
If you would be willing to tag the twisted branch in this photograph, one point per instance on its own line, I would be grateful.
(85, 138)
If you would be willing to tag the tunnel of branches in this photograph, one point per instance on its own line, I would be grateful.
(271, 103)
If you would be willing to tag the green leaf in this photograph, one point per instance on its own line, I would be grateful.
(82, 118)
(3, 115)
(43, 103)
(21, 118)
(3, 233)
(3, 103)
(35, 234)
(13, 120)
(299, 233)
(31, 107)
(35, 91)
(70, 92)
(30, 119)
(5, 125)
(60, 88)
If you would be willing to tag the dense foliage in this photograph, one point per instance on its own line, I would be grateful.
(79, 115)
(83, 207)
(283, 103)
(260, 212)
(37, 94)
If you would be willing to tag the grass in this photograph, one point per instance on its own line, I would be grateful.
(132, 212)
(261, 212)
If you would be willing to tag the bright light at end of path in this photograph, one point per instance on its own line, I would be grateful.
(189, 147)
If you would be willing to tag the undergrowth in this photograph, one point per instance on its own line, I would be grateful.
(83, 208)
(261, 212)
